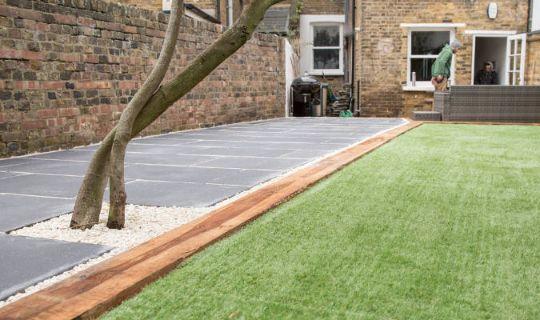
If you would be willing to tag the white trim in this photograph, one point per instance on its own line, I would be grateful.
(431, 25)
(490, 33)
(307, 22)
(535, 16)
(429, 88)
(514, 69)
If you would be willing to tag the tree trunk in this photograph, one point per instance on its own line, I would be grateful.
(228, 43)
(125, 125)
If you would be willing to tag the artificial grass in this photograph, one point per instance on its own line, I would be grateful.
(442, 223)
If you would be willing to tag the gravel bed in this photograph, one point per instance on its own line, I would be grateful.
(142, 224)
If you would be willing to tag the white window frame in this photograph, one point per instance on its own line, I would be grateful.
(307, 24)
(535, 16)
(338, 71)
(425, 85)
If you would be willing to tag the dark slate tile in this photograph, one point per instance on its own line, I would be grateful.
(50, 166)
(169, 159)
(174, 194)
(42, 185)
(20, 211)
(254, 163)
(74, 155)
(27, 261)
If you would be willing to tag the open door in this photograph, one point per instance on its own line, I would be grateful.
(515, 59)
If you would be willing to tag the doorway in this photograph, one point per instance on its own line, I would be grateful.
(505, 49)
(492, 49)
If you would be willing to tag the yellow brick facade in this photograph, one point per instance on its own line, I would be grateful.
(381, 46)
(533, 60)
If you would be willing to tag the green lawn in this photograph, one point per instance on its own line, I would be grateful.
(442, 223)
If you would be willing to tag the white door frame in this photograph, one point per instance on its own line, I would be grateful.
(487, 34)
(523, 56)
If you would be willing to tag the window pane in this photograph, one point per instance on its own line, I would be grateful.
(429, 42)
(325, 59)
(422, 67)
(326, 36)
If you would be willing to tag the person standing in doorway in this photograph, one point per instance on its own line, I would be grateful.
(440, 71)
(487, 76)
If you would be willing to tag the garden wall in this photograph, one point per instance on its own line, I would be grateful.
(69, 67)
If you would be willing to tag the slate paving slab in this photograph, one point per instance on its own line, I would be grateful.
(42, 185)
(171, 194)
(18, 211)
(27, 261)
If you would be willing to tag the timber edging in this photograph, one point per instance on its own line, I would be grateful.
(92, 292)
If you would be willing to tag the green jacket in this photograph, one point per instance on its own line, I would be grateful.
(443, 63)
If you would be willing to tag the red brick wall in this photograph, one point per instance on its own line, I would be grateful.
(67, 71)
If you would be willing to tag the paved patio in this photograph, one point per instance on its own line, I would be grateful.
(186, 169)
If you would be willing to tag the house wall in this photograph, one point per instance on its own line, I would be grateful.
(67, 71)
(533, 60)
(381, 50)
(157, 4)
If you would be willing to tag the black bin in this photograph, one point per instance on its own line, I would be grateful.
(306, 95)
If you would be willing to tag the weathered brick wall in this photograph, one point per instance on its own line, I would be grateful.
(68, 68)
(156, 4)
(533, 65)
(323, 7)
(382, 45)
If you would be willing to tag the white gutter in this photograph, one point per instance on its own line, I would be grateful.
(230, 13)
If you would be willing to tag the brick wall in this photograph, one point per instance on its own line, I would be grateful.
(68, 68)
(157, 4)
(323, 7)
(533, 64)
(381, 53)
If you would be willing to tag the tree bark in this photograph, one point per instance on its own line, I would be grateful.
(125, 125)
(91, 193)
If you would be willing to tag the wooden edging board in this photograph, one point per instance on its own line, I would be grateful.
(92, 292)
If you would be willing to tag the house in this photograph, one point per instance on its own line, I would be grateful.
(384, 49)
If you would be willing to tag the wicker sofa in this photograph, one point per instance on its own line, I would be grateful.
(489, 103)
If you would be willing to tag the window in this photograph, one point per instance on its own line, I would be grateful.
(326, 47)
(424, 49)
(425, 42)
(321, 45)
(535, 16)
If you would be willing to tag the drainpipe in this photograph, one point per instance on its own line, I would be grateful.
(353, 58)
(359, 81)
(230, 13)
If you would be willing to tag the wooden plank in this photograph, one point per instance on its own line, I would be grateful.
(92, 292)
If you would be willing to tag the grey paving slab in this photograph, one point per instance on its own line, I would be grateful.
(262, 151)
(169, 159)
(42, 185)
(254, 163)
(194, 174)
(27, 261)
(4, 175)
(81, 154)
(19, 211)
(172, 194)
(49, 166)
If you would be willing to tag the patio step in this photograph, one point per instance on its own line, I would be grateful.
(427, 116)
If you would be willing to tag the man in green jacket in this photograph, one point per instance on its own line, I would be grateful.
(440, 71)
